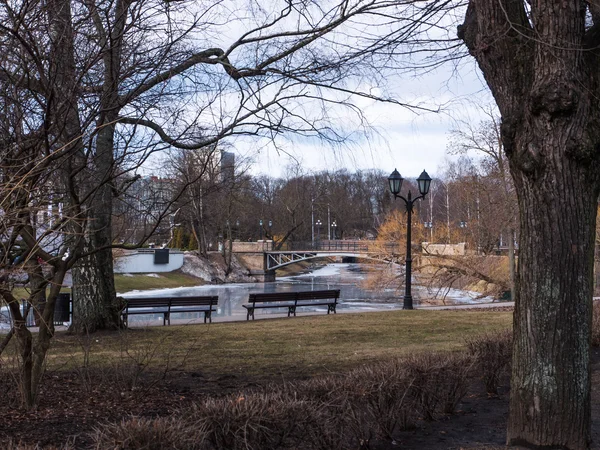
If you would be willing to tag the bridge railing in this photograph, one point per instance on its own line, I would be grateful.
(342, 246)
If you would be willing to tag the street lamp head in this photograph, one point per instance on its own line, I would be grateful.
(260, 222)
(424, 182)
(395, 180)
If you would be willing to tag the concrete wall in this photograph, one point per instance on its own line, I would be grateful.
(252, 261)
(142, 261)
(444, 249)
(252, 247)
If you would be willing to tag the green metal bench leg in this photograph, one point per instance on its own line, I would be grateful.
(291, 309)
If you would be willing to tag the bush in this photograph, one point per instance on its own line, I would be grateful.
(492, 353)
(381, 400)
(324, 413)
(329, 398)
(13, 445)
(259, 421)
(438, 381)
(148, 434)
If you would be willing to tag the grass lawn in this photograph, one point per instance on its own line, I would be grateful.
(139, 282)
(281, 348)
(125, 283)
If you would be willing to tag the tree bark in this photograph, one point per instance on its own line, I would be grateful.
(550, 386)
(546, 89)
(95, 305)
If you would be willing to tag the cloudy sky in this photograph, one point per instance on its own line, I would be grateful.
(401, 138)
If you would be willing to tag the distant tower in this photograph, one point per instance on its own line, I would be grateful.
(227, 166)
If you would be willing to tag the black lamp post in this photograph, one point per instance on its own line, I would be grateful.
(260, 227)
(334, 226)
(424, 181)
(318, 223)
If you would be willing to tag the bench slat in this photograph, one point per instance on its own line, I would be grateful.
(168, 305)
(204, 301)
(300, 298)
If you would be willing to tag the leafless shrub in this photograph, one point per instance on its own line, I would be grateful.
(10, 368)
(142, 363)
(596, 324)
(492, 355)
(258, 421)
(329, 400)
(372, 401)
(382, 393)
(149, 434)
(439, 381)
(12, 444)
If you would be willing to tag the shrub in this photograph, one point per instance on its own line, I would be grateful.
(380, 398)
(438, 381)
(13, 445)
(148, 434)
(328, 396)
(259, 421)
(492, 354)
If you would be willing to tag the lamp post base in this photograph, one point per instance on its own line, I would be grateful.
(408, 302)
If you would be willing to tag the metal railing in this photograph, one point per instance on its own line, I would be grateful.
(342, 246)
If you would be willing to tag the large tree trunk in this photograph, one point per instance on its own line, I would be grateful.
(550, 386)
(545, 85)
(95, 305)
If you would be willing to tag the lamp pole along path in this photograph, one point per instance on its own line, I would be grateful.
(424, 182)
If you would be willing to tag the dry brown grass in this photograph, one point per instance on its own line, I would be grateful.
(289, 348)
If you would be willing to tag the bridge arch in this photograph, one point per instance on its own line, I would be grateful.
(277, 260)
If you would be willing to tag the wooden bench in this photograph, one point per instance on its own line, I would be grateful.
(170, 305)
(292, 300)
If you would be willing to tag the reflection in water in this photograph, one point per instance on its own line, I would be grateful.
(345, 277)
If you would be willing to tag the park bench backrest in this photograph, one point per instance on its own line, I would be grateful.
(148, 302)
(272, 297)
(319, 295)
(195, 301)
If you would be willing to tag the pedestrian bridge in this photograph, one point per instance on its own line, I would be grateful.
(276, 260)
(294, 252)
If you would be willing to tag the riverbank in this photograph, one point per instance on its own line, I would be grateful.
(199, 271)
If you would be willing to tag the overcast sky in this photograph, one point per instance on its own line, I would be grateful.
(401, 139)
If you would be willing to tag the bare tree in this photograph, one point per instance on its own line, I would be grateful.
(485, 139)
(180, 87)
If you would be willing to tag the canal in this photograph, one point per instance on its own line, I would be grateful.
(349, 278)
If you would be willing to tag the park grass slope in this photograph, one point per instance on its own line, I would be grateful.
(276, 348)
